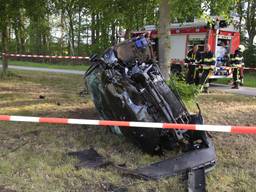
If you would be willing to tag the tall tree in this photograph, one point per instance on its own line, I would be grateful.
(4, 19)
(250, 21)
(164, 38)
(246, 10)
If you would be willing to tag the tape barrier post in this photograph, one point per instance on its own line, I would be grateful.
(194, 127)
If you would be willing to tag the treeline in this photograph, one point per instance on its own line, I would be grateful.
(70, 27)
(81, 27)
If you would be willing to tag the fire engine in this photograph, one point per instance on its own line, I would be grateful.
(219, 35)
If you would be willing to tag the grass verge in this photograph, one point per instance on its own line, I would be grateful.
(249, 79)
(33, 157)
(83, 67)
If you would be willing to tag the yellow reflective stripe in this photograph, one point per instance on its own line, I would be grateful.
(209, 59)
(237, 65)
(239, 58)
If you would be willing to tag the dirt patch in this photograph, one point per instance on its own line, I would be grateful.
(87, 113)
(3, 189)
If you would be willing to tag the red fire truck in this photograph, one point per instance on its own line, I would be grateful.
(219, 36)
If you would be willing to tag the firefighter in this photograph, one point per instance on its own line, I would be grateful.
(154, 42)
(192, 59)
(208, 60)
(237, 62)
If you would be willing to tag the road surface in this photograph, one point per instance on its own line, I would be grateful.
(227, 88)
(65, 71)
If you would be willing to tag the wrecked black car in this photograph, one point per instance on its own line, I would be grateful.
(126, 84)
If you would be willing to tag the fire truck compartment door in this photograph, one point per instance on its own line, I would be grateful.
(178, 46)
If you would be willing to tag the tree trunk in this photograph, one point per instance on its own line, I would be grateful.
(240, 12)
(17, 36)
(71, 33)
(21, 29)
(251, 22)
(127, 33)
(164, 38)
(79, 30)
(113, 33)
(4, 47)
(97, 29)
(93, 29)
(62, 29)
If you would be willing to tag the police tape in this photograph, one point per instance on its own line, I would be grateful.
(222, 67)
(249, 68)
(192, 127)
(44, 56)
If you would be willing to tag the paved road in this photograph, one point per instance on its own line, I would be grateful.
(227, 88)
(65, 71)
(243, 90)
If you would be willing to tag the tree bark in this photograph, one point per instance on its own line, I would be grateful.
(240, 12)
(71, 32)
(97, 28)
(4, 47)
(62, 29)
(17, 36)
(93, 29)
(127, 33)
(164, 38)
(21, 29)
(251, 22)
(79, 30)
(113, 33)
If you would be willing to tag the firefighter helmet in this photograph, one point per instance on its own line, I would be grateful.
(241, 48)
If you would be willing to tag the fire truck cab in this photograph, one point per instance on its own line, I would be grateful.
(222, 38)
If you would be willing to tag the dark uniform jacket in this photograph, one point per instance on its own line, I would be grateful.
(193, 57)
(208, 58)
(237, 59)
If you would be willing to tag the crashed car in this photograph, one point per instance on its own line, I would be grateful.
(126, 84)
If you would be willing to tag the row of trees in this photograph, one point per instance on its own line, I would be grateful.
(79, 27)
(71, 27)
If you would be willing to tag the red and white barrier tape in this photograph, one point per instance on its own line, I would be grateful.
(225, 67)
(216, 128)
(44, 56)
(249, 68)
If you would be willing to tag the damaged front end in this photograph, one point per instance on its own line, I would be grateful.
(126, 85)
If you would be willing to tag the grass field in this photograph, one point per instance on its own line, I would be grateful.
(249, 79)
(33, 156)
(47, 65)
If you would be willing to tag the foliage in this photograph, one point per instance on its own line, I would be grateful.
(250, 56)
(186, 91)
(78, 27)
(249, 79)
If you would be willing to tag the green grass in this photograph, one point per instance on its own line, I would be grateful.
(33, 156)
(81, 67)
(249, 80)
